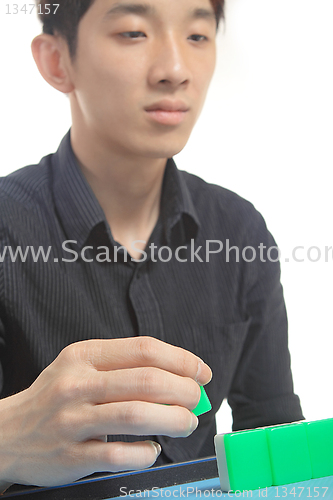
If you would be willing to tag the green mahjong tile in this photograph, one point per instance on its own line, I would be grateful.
(204, 404)
(320, 440)
(247, 460)
(289, 453)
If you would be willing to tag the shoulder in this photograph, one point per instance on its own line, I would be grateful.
(25, 193)
(25, 184)
(221, 207)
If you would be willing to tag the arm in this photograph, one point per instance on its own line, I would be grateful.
(262, 390)
(54, 432)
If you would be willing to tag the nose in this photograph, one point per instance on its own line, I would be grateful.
(170, 65)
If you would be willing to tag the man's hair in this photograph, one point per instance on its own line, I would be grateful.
(66, 19)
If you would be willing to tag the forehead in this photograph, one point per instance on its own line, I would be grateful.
(110, 9)
(149, 9)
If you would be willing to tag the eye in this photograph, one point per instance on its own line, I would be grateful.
(132, 34)
(198, 38)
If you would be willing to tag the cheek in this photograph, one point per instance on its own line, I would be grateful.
(204, 70)
(203, 82)
(104, 68)
(118, 81)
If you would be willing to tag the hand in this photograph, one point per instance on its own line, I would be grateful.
(55, 431)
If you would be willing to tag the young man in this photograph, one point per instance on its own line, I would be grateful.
(134, 260)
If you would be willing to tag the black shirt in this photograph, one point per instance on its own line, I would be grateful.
(229, 311)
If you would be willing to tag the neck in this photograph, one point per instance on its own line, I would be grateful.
(127, 187)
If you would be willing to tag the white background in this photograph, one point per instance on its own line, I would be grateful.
(266, 132)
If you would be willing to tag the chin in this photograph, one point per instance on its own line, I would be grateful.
(166, 150)
(163, 154)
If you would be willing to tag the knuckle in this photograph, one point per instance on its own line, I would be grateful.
(74, 455)
(147, 349)
(58, 389)
(183, 423)
(69, 353)
(147, 380)
(73, 424)
(99, 386)
(133, 414)
(76, 352)
(67, 390)
(116, 456)
(123, 456)
(64, 423)
(187, 364)
(73, 390)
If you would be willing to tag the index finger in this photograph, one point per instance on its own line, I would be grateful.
(133, 352)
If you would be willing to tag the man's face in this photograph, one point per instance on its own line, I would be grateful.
(141, 73)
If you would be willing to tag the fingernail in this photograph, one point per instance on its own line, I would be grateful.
(199, 370)
(195, 422)
(157, 447)
(200, 367)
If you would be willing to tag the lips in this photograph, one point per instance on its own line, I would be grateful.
(167, 112)
(166, 105)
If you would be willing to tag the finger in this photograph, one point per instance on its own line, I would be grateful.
(143, 384)
(136, 418)
(119, 456)
(82, 459)
(136, 352)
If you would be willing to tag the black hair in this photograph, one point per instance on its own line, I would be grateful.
(65, 19)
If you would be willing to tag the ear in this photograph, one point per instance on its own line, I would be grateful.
(52, 59)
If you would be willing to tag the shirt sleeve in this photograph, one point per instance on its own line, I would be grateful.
(1, 350)
(2, 339)
(262, 389)
(2, 310)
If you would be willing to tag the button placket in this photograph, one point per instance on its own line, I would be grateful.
(145, 305)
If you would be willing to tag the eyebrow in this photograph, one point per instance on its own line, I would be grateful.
(203, 14)
(148, 10)
(130, 8)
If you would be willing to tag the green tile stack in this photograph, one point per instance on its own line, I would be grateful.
(273, 456)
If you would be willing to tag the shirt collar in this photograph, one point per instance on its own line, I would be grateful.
(80, 210)
(76, 202)
(179, 217)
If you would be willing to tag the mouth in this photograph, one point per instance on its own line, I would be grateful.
(168, 112)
